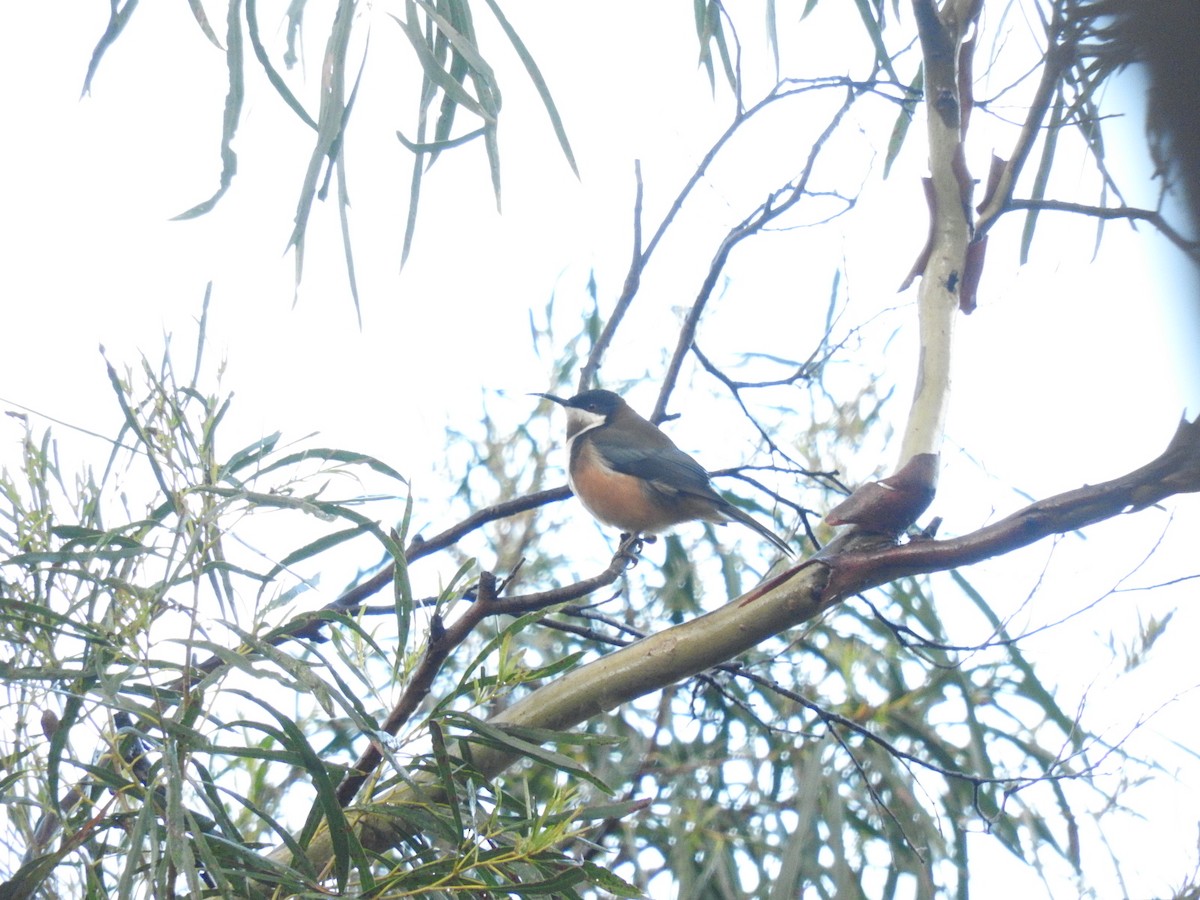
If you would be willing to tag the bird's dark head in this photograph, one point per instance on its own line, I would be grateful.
(588, 410)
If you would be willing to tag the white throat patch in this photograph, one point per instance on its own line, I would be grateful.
(580, 421)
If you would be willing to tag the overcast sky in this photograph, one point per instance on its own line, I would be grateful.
(1073, 370)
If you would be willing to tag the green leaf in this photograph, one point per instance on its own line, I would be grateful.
(117, 20)
(445, 772)
(250, 455)
(235, 64)
(518, 740)
(202, 20)
(1030, 683)
(331, 122)
(343, 839)
(1042, 177)
(435, 73)
(875, 32)
(908, 108)
(539, 82)
(402, 596)
(321, 544)
(131, 421)
(328, 454)
(277, 82)
(609, 881)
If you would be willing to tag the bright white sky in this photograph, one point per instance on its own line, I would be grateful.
(1070, 372)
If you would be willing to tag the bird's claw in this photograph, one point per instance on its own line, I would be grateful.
(630, 547)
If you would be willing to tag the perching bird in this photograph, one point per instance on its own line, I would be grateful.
(630, 475)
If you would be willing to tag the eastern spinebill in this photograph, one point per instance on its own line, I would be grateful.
(630, 475)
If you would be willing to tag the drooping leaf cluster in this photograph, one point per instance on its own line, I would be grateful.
(205, 721)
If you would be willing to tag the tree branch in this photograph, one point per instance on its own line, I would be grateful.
(1176, 471)
(1133, 214)
(779, 202)
(942, 32)
(851, 563)
(441, 643)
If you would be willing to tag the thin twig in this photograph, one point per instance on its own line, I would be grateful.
(1133, 214)
(441, 644)
(777, 203)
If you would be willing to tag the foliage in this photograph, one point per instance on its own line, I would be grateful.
(206, 722)
(455, 78)
(175, 751)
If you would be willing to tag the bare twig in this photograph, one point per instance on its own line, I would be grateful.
(641, 257)
(441, 643)
(1059, 55)
(1133, 214)
(779, 202)
(633, 279)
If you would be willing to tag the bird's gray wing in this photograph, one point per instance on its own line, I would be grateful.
(662, 466)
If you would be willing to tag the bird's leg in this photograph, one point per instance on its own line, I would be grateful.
(630, 547)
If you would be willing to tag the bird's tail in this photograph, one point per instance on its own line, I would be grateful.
(749, 521)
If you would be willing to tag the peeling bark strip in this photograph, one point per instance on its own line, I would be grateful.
(892, 504)
(1176, 471)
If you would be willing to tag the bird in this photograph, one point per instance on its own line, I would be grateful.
(630, 475)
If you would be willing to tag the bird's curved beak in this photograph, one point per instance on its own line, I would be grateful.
(559, 400)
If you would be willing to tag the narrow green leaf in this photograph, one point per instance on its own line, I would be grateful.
(464, 44)
(492, 144)
(235, 63)
(329, 454)
(438, 146)
(513, 628)
(91, 537)
(443, 128)
(723, 47)
(402, 595)
(135, 426)
(331, 122)
(344, 223)
(343, 841)
(117, 20)
(609, 881)
(908, 108)
(510, 740)
(436, 73)
(255, 861)
(772, 24)
(273, 76)
(704, 29)
(875, 32)
(250, 455)
(539, 82)
(320, 545)
(65, 558)
(1042, 177)
(1031, 684)
(201, 18)
(445, 772)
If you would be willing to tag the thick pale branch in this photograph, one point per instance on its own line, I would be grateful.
(850, 564)
(942, 32)
(649, 665)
